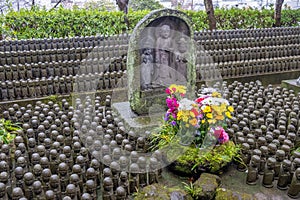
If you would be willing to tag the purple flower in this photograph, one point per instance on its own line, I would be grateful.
(200, 116)
(167, 116)
(174, 115)
(173, 123)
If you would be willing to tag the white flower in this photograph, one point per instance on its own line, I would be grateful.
(214, 101)
(206, 91)
(185, 104)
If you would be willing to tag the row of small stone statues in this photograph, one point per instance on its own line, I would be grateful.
(254, 53)
(246, 68)
(113, 52)
(94, 41)
(62, 43)
(57, 55)
(237, 43)
(39, 70)
(64, 85)
(29, 88)
(247, 33)
(66, 68)
(266, 125)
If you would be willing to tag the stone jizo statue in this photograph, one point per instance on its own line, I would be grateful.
(294, 189)
(146, 68)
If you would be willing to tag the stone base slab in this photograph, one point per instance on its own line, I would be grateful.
(136, 123)
(291, 85)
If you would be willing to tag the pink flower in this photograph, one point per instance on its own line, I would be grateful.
(172, 104)
(221, 135)
(200, 99)
(168, 91)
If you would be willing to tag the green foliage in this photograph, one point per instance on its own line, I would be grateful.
(192, 190)
(144, 5)
(40, 23)
(218, 157)
(103, 5)
(8, 131)
(243, 18)
(164, 136)
(297, 149)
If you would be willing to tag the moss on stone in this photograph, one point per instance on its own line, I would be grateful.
(183, 164)
(161, 192)
(209, 161)
(205, 187)
(222, 193)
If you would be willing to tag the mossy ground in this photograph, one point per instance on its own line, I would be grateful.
(193, 160)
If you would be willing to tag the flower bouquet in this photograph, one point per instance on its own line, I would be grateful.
(199, 127)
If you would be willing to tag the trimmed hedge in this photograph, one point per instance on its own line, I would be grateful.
(40, 23)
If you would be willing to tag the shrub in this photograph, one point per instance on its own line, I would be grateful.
(60, 22)
(8, 131)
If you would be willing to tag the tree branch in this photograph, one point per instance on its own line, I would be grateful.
(56, 4)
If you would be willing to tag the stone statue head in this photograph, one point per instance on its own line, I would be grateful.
(165, 31)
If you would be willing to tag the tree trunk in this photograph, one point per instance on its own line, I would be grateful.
(56, 4)
(277, 14)
(211, 14)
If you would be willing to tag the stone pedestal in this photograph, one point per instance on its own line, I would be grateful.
(139, 123)
(291, 85)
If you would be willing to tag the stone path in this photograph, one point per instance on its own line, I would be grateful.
(236, 181)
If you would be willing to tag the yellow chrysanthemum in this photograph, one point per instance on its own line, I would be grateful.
(223, 107)
(217, 109)
(181, 89)
(193, 122)
(209, 115)
(178, 88)
(203, 121)
(207, 109)
(211, 121)
(219, 117)
(230, 109)
(228, 114)
(179, 115)
(192, 114)
(185, 118)
(216, 94)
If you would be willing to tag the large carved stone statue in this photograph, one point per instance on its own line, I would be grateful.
(164, 47)
(181, 59)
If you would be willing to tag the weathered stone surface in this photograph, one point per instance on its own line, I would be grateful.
(161, 192)
(206, 186)
(134, 122)
(222, 193)
(291, 84)
(154, 60)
